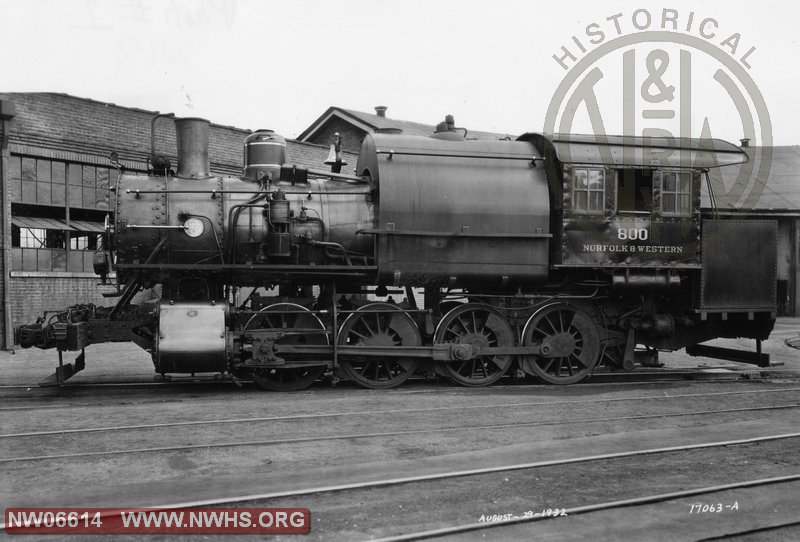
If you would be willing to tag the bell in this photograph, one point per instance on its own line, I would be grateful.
(331, 159)
(335, 155)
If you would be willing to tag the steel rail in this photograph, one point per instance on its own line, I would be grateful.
(294, 417)
(189, 380)
(610, 505)
(352, 436)
(765, 529)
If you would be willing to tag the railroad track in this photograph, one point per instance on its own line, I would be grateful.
(757, 530)
(120, 384)
(390, 482)
(602, 377)
(188, 387)
(599, 507)
(630, 408)
(355, 436)
(326, 415)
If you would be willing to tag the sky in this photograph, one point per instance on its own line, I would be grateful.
(280, 64)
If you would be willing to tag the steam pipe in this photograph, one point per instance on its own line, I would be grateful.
(233, 219)
(328, 244)
(153, 130)
(156, 161)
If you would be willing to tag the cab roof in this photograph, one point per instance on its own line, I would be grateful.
(638, 151)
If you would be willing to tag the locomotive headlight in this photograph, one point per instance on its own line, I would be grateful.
(193, 227)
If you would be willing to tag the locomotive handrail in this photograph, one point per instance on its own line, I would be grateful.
(323, 270)
(152, 227)
(423, 233)
(532, 159)
(215, 192)
(326, 311)
(338, 176)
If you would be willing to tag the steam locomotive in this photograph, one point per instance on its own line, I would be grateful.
(548, 255)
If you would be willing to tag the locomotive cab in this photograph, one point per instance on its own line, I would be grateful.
(630, 210)
(631, 202)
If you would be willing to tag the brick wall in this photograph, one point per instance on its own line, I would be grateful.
(4, 234)
(59, 121)
(351, 136)
(77, 124)
(33, 293)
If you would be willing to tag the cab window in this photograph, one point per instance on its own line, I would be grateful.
(589, 190)
(635, 191)
(676, 192)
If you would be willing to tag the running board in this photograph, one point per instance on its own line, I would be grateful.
(754, 358)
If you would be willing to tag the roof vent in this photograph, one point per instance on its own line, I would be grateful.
(381, 110)
(745, 142)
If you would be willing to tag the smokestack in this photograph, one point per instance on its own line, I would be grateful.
(192, 140)
(745, 142)
(381, 110)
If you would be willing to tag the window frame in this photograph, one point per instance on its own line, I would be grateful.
(28, 237)
(678, 210)
(589, 191)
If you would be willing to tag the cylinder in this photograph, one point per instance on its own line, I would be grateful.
(191, 337)
(192, 141)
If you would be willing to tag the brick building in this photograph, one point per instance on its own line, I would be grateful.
(56, 172)
(352, 126)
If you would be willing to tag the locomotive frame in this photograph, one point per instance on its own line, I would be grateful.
(547, 256)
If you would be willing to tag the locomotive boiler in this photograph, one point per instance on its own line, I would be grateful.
(547, 255)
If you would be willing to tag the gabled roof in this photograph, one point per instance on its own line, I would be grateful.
(781, 194)
(371, 122)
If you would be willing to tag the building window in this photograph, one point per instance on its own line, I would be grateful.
(37, 238)
(28, 237)
(42, 239)
(83, 241)
(676, 193)
(40, 181)
(589, 190)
